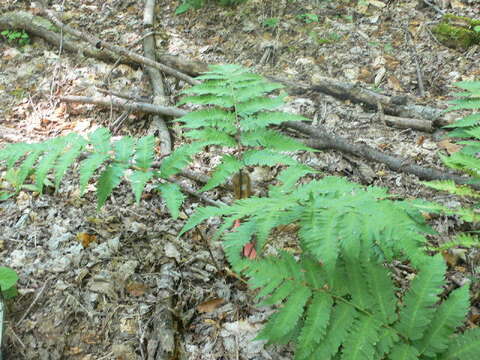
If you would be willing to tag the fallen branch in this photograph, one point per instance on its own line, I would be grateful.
(117, 103)
(158, 124)
(96, 42)
(319, 140)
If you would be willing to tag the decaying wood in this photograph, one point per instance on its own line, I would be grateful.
(94, 41)
(408, 123)
(394, 106)
(319, 139)
(158, 125)
(39, 26)
(117, 103)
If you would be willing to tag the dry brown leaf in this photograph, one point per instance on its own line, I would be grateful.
(449, 146)
(394, 83)
(210, 305)
(136, 289)
(86, 239)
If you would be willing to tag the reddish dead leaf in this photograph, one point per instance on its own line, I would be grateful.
(249, 251)
(449, 146)
(86, 239)
(136, 289)
(210, 305)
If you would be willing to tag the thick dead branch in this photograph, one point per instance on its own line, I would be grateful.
(408, 123)
(126, 105)
(158, 124)
(320, 140)
(395, 106)
(94, 41)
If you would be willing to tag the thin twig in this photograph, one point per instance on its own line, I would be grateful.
(25, 314)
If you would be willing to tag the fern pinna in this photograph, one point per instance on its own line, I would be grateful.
(237, 116)
(336, 296)
(111, 158)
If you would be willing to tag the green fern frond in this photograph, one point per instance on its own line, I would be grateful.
(289, 177)
(89, 166)
(258, 104)
(341, 321)
(179, 159)
(404, 352)
(452, 188)
(138, 180)
(284, 321)
(418, 310)
(75, 145)
(382, 292)
(173, 196)
(215, 117)
(229, 166)
(144, 152)
(109, 179)
(449, 315)
(464, 346)
(467, 121)
(267, 158)
(264, 119)
(212, 137)
(47, 162)
(360, 344)
(317, 318)
(222, 101)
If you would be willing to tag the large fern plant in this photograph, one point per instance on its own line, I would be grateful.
(336, 295)
(237, 115)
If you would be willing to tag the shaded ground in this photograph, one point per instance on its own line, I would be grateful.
(91, 282)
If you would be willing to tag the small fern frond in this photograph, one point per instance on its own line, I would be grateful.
(464, 346)
(452, 188)
(363, 335)
(418, 310)
(267, 158)
(200, 215)
(258, 104)
(211, 136)
(88, 167)
(285, 320)
(382, 292)
(179, 159)
(215, 117)
(109, 179)
(75, 145)
(138, 180)
(144, 152)
(229, 166)
(173, 196)
(47, 162)
(356, 276)
(341, 320)
(317, 318)
(124, 148)
(289, 177)
(467, 121)
(449, 315)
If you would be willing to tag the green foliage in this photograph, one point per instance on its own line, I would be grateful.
(238, 116)
(19, 36)
(124, 158)
(467, 129)
(308, 18)
(8, 283)
(271, 22)
(336, 297)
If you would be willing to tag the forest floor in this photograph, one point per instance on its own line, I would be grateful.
(90, 281)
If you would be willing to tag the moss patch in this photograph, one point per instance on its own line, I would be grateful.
(457, 31)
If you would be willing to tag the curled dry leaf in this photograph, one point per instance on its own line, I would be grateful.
(210, 305)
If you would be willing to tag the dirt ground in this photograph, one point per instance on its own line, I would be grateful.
(118, 283)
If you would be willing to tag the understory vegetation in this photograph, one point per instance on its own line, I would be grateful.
(336, 294)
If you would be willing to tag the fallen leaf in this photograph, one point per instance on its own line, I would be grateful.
(210, 305)
(449, 146)
(86, 239)
(136, 289)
